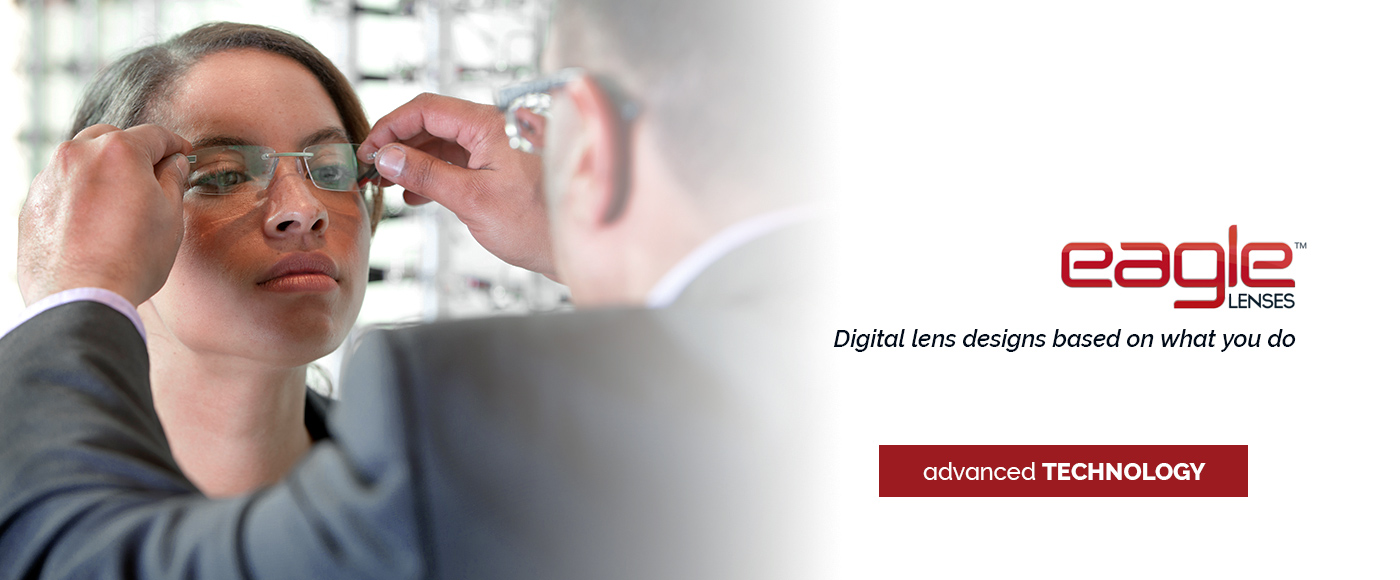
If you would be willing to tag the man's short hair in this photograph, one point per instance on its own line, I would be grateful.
(720, 79)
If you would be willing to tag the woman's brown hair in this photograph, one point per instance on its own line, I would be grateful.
(128, 92)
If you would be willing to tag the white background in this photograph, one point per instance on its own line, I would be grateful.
(977, 138)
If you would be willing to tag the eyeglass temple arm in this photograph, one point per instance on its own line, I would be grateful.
(627, 109)
(370, 174)
(505, 95)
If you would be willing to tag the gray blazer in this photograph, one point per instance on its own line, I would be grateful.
(602, 444)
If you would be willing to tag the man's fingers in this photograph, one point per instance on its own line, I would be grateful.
(456, 120)
(107, 213)
(94, 131)
(173, 173)
(493, 189)
(158, 142)
(400, 125)
(411, 198)
(423, 174)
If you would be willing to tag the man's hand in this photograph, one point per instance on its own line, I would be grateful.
(456, 153)
(107, 213)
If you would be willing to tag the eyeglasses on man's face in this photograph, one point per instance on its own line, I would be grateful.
(527, 104)
(235, 169)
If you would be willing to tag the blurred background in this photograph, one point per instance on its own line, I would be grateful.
(424, 265)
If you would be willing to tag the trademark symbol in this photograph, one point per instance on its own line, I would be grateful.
(1300, 245)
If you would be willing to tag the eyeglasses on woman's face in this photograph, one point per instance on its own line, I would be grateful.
(235, 169)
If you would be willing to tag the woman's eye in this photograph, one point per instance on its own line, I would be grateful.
(333, 177)
(221, 179)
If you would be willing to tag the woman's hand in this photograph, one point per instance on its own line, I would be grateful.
(106, 213)
(456, 153)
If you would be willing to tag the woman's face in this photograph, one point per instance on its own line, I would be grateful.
(277, 275)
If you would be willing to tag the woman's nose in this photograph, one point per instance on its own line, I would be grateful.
(294, 208)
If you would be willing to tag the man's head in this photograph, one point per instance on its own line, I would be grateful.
(714, 139)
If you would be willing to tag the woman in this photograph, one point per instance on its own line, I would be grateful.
(272, 269)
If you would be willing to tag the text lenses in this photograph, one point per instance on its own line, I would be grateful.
(230, 170)
(525, 122)
(333, 167)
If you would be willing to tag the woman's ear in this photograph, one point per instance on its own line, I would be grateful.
(602, 174)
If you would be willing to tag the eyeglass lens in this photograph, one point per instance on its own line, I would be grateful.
(236, 169)
(525, 122)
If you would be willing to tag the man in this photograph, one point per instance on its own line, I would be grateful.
(613, 442)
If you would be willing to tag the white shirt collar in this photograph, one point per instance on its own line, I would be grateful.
(670, 286)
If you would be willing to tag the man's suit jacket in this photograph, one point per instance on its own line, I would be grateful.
(595, 444)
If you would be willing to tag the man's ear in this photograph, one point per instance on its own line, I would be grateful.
(605, 162)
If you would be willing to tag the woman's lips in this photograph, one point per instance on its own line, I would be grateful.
(304, 282)
(302, 272)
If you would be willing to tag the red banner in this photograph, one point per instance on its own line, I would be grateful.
(1064, 471)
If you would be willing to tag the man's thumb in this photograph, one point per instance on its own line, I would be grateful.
(173, 173)
(418, 172)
